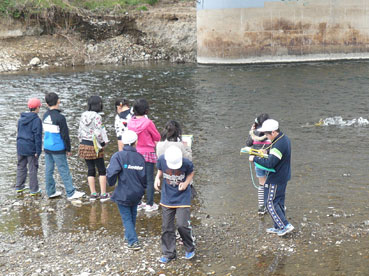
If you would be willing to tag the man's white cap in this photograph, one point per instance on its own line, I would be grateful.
(269, 125)
(129, 137)
(173, 156)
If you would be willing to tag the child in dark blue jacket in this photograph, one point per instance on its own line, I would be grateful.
(29, 142)
(177, 173)
(128, 166)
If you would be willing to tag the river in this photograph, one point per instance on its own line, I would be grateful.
(327, 197)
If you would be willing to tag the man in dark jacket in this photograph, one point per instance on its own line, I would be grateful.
(29, 141)
(278, 164)
(128, 167)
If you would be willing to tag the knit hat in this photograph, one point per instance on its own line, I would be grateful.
(129, 137)
(173, 156)
(34, 103)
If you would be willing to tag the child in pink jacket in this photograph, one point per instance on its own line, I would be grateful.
(148, 136)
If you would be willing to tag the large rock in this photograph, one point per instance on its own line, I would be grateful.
(35, 61)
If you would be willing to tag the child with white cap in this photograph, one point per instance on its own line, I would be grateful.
(177, 173)
(128, 167)
(278, 164)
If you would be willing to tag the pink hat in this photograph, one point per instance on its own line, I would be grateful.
(34, 103)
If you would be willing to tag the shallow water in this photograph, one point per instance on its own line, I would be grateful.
(217, 104)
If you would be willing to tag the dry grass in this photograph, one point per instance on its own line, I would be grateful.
(17, 8)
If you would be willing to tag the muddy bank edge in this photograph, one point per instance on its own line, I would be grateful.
(60, 39)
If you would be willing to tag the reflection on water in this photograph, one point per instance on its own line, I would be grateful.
(217, 104)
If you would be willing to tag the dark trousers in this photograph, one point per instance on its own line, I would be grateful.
(98, 163)
(274, 196)
(168, 237)
(150, 183)
(32, 163)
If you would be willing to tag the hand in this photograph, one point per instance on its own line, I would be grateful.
(157, 184)
(182, 186)
(251, 158)
(69, 153)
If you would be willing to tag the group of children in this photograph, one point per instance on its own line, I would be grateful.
(140, 147)
(56, 144)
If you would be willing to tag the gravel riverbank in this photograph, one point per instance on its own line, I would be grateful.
(49, 237)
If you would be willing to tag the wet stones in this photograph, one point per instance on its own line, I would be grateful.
(8, 63)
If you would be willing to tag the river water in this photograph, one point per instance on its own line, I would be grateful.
(217, 104)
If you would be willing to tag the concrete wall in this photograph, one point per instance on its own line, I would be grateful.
(253, 31)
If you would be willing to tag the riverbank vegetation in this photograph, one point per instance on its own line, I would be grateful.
(20, 8)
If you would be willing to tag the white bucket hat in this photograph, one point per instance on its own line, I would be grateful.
(129, 137)
(173, 156)
(269, 125)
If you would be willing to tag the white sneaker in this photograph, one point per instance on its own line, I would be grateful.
(76, 195)
(287, 229)
(141, 206)
(149, 208)
(56, 194)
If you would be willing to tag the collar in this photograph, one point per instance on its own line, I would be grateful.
(277, 137)
(55, 109)
(129, 148)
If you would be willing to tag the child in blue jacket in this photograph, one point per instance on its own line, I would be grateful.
(29, 142)
(128, 166)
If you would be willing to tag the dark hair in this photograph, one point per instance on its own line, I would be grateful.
(260, 119)
(172, 132)
(32, 109)
(51, 99)
(95, 104)
(140, 107)
(121, 102)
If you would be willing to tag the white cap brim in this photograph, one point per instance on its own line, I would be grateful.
(174, 166)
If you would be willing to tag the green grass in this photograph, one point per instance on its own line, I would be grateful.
(16, 7)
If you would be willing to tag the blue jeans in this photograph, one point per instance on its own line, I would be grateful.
(62, 164)
(129, 214)
(274, 197)
(260, 172)
(150, 183)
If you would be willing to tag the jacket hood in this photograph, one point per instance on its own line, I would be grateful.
(27, 117)
(138, 125)
(88, 117)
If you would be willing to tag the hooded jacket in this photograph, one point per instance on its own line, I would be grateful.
(56, 132)
(147, 134)
(128, 166)
(90, 125)
(257, 140)
(29, 137)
